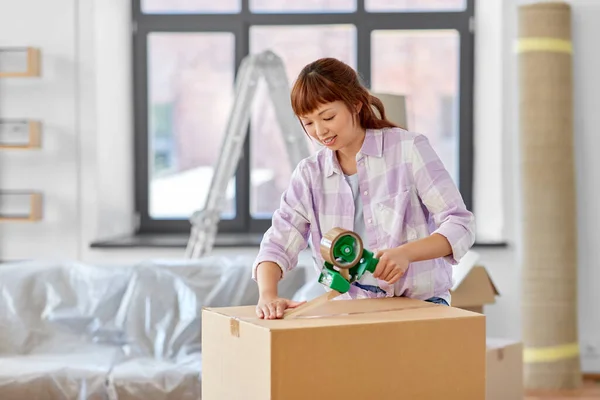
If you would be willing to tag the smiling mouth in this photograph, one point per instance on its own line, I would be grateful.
(329, 141)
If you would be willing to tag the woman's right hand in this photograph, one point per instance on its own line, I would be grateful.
(272, 307)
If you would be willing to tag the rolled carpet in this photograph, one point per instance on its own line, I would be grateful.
(549, 305)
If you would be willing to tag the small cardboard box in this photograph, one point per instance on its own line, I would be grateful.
(381, 349)
(473, 287)
(504, 375)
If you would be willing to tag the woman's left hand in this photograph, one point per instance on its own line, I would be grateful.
(392, 264)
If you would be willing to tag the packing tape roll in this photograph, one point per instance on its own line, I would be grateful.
(551, 353)
(329, 241)
(542, 44)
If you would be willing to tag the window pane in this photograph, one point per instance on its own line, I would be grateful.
(189, 99)
(424, 67)
(414, 5)
(190, 6)
(297, 46)
(300, 6)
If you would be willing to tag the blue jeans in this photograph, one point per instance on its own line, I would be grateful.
(438, 300)
(369, 288)
(375, 289)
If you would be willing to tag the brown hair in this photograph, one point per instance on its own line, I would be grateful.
(328, 79)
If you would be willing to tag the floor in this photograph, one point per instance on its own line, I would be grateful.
(590, 391)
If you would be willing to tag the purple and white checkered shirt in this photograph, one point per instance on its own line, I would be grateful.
(407, 194)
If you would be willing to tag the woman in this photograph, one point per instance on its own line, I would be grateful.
(373, 178)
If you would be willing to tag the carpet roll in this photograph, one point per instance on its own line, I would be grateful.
(549, 305)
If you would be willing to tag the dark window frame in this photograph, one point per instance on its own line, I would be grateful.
(239, 24)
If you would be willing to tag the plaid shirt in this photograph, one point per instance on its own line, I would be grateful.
(407, 194)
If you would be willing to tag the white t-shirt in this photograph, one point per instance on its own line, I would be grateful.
(359, 224)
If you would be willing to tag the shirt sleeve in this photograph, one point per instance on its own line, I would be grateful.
(442, 198)
(290, 227)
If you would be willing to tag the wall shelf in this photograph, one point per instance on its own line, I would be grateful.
(17, 206)
(19, 134)
(19, 62)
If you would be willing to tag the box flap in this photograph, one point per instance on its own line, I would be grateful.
(333, 307)
(473, 285)
(346, 312)
(462, 269)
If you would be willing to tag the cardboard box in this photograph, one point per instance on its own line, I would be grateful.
(473, 287)
(504, 364)
(395, 108)
(381, 349)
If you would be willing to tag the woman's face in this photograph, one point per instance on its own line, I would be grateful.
(332, 125)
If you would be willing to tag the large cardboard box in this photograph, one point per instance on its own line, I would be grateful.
(472, 287)
(504, 370)
(391, 348)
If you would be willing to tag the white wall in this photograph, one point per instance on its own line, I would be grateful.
(53, 100)
(587, 142)
(84, 102)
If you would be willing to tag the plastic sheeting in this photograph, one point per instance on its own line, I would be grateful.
(78, 331)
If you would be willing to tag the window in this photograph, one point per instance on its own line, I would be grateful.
(186, 56)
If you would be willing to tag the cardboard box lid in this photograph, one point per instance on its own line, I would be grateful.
(473, 285)
(347, 312)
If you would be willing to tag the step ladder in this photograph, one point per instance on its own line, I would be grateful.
(268, 66)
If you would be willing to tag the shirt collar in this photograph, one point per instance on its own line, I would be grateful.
(372, 146)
